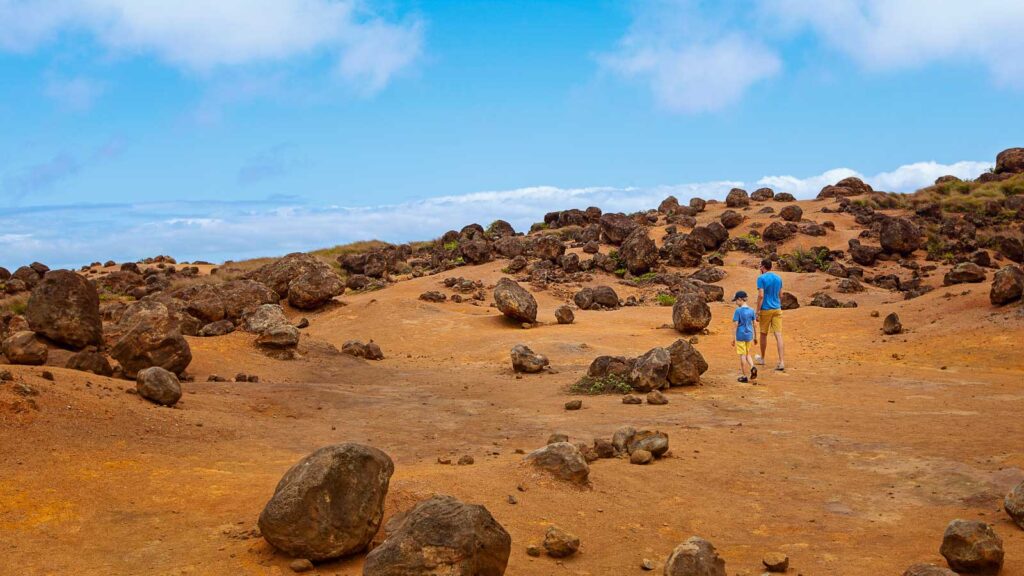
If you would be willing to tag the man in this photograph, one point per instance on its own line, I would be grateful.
(769, 311)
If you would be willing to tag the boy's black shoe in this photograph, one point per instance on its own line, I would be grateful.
(753, 373)
(742, 379)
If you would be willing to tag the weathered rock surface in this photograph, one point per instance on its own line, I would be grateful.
(441, 536)
(690, 313)
(514, 301)
(525, 360)
(972, 547)
(65, 308)
(24, 348)
(158, 386)
(695, 557)
(1007, 285)
(330, 504)
(563, 460)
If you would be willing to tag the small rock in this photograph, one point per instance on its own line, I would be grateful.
(972, 547)
(641, 457)
(1014, 504)
(525, 360)
(158, 386)
(301, 565)
(574, 404)
(656, 398)
(695, 557)
(647, 564)
(564, 315)
(466, 460)
(560, 544)
(534, 550)
(928, 570)
(776, 562)
(557, 437)
(632, 399)
(47, 375)
(892, 325)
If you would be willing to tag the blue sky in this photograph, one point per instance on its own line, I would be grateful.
(261, 126)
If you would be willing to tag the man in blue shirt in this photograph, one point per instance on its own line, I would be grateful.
(769, 310)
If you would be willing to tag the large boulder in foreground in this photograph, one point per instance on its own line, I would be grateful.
(441, 535)
(650, 371)
(690, 313)
(330, 504)
(972, 547)
(148, 335)
(899, 236)
(515, 301)
(695, 557)
(563, 460)
(65, 308)
(158, 386)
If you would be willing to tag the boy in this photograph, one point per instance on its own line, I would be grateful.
(745, 336)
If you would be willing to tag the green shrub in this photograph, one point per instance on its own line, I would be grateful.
(666, 299)
(610, 384)
(451, 246)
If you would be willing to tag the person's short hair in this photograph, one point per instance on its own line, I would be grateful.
(766, 264)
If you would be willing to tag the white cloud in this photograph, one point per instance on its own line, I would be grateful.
(900, 34)
(689, 64)
(197, 35)
(906, 178)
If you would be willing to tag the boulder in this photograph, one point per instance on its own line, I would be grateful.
(158, 386)
(24, 348)
(596, 298)
(560, 544)
(964, 272)
(369, 350)
(737, 198)
(1014, 504)
(441, 535)
(514, 301)
(563, 460)
(972, 547)
(525, 360)
(698, 204)
(709, 274)
(656, 398)
(330, 504)
(784, 197)
(90, 360)
(548, 247)
(314, 288)
(762, 194)
(262, 318)
(776, 232)
(638, 252)
(669, 205)
(1012, 248)
(731, 219)
(686, 364)
(604, 366)
(789, 301)
(650, 371)
(500, 229)
(239, 296)
(203, 301)
(65, 308)
(851, 186)
(861, 254)
(695, 557)
(564, 315)
(892, 325)
(433, 296)
(218, 328)
(147, 335)
(1010, 161)
(652, 441)
(690, 313)
(899, 236)
(616, 227)
(792, 213)
(279, 336)
(822, 300)
(1007, 285)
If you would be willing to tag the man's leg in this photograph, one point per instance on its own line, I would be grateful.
(781, 348)
(764, 344)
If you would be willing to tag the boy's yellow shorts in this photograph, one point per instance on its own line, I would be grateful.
(771, 321)
(744, 348)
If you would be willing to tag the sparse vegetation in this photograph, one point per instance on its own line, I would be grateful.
(968, 196)
(610, 384)
(15, 304)
(451, 246)
(665, 299)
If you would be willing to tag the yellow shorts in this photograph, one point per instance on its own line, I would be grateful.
(771, 321)
(744, 348)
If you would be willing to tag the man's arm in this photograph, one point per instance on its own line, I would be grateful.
(760, 297)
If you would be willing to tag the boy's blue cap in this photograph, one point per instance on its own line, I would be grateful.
(740, 294)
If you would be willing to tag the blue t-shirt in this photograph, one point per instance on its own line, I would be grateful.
(745, 329)
(772, 286)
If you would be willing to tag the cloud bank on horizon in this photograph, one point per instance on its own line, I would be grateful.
(70, 236)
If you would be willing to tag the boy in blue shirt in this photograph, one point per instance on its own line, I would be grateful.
(745, 337)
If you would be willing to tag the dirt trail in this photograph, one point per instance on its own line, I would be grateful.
(852, 462)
